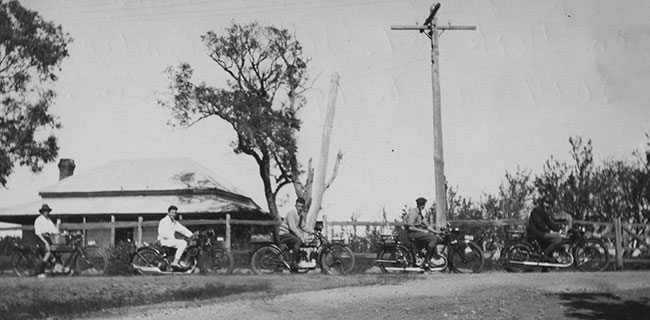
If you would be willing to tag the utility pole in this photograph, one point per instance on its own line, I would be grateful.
(430, 29)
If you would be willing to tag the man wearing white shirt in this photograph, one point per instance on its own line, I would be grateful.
(43, 228)
(167, 229)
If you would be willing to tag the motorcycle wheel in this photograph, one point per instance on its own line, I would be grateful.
(267, 260)
(467, 258)
(399, 256)
(92, 262)
(217, 261)
(338, 260)
(518, 252)
(191, 263)
(591, 256)
(147, 257)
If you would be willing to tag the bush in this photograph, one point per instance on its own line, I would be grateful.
(119, 258)
(7, 245)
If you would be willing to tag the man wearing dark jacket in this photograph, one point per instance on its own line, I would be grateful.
(541, 227)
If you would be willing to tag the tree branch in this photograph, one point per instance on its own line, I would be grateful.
(339, 157)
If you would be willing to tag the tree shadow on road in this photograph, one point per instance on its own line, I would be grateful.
(590, 305)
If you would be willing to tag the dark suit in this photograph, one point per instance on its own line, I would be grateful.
(539, 227)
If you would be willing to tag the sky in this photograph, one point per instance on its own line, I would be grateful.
(513, 92)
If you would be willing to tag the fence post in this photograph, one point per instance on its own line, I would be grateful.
(619, 243)
(228, 239)
(84, 233)
(326, 230)
(138, 241)
(112, 240)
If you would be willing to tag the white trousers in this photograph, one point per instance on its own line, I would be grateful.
(179, 244)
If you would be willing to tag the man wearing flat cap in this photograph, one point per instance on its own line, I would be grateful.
(419, 231)
(44, 227)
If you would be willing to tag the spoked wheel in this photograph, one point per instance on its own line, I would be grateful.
(217, 261)
(93, 262)
(338, 260)
(267, 260)
(394, 257)
(515, 254)
(147, 260)
(591, 256)
(467, 258)
(25, 264)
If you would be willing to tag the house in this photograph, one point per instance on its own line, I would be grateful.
(128, 190)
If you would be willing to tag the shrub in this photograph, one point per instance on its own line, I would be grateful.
(7, 244)
(119, 258)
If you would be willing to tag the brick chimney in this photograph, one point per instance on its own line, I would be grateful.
(66, 168)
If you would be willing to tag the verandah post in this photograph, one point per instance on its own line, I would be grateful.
(138, 241)
(228, 232)
(112, 239)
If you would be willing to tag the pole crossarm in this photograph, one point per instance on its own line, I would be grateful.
(427, 27)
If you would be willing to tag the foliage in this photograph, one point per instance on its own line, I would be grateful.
(119, 258)
(461, 208)
(366, 242)
(266, 79)
(586, 191)
(7, 245)
(31, 52)
(514, 199)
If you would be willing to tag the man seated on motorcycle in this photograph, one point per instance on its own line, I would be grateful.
(167, 229)
(419, 231)
(293, 232)
(44, 227)
(543, 229)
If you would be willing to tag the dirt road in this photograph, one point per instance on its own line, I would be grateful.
(561, 295)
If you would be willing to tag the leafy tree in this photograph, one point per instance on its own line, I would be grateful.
(266, 79)
(570, 187)
(513, 201)
(31, 52)
(459, 207)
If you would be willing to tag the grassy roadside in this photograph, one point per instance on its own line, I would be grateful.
(30, 298)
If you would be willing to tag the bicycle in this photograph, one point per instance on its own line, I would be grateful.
(200, 252)
(331, 258)
(69, 256)
(462, 254)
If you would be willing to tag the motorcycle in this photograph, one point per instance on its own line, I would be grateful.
(460, 255)
(331, 258)
(578, 248)
(200, 252)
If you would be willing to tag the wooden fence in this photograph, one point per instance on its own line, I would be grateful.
(619, 235)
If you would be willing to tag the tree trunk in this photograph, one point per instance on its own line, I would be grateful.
(319, 178)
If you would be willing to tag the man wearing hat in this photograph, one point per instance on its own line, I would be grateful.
(43, 227)
(419, 230)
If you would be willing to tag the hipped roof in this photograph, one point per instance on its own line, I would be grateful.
(141, 175)
(144, 186)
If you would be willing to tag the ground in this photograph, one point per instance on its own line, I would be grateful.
(491, 295)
